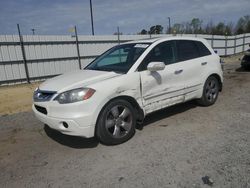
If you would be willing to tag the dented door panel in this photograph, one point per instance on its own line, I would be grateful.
(161, 88)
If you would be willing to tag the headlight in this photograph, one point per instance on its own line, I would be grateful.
(75, 95)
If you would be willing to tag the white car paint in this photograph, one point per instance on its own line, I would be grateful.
(151, 90)
(73, 79)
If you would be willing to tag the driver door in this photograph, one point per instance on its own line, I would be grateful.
(161, 88)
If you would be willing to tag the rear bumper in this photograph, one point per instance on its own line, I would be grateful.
(73, 125)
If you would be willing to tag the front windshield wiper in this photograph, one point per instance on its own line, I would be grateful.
(105, 69)
(98, 69)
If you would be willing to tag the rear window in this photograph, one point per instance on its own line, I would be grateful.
(186, 49)
(203, 51)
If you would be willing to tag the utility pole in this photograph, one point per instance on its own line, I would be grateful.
(77, 48)
(118, 35)
(169, 25)
(91, 13)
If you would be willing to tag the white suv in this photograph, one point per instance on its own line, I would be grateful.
(119, 88)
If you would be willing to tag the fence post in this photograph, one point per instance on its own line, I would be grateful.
(118, 35)
(235, 44)
(226, 45)
(77, 48)
(212, 42)
(243, 47)
(23, 54)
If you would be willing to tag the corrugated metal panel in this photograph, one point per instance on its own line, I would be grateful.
(53, 55)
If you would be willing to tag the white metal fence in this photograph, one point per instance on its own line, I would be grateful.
(36, 57)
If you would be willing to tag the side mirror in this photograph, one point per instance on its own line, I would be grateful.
(156, 66)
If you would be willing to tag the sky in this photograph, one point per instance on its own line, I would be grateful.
(52, 17)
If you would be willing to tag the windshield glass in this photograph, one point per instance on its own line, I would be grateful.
(119, 58)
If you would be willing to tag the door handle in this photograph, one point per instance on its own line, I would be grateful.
(203, 63)
(178, 71)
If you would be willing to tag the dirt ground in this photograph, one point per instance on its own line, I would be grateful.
(16, 98)
(176, 147)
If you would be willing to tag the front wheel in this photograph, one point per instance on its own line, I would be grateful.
(210, 92)
(116, 123)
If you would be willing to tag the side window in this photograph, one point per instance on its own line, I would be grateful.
(163, 52)
(202, 49)
(186, 49)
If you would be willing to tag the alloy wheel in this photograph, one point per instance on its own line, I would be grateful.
(118, 121)
(211, 90)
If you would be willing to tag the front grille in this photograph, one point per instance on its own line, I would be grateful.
(41, 109)
(41, 96)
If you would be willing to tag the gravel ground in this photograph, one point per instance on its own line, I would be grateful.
(176, 148)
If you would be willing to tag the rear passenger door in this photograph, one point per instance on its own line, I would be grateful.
(188, 56)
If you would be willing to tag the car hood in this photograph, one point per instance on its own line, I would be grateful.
(75, 79)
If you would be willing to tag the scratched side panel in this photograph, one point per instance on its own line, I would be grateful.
(123, 85)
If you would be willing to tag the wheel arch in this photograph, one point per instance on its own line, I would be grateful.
(217, 76)
(132, 101)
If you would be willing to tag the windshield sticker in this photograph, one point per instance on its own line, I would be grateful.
(141, 45)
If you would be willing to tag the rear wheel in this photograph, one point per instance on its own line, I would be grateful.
(210, 92)
(116, 123)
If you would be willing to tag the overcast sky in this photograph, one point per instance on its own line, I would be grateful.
(57, 16)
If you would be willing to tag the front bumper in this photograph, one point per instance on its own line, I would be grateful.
(76, 126)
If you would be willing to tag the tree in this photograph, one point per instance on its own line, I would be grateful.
(196, 24)
(156, 29)
(242, 24)
(178, 28)
(240, 30)
(248, 27)
(247, 23)
(229, 29)
(209, 28)
(195, 27)
(219, 29)
(159, 29)
(151, 30)
(143, 32)
(187, 28)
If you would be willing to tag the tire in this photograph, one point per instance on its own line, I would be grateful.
(116, 122)
(244, 67)
(210, 92)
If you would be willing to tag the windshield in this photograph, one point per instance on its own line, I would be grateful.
(119, 58)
